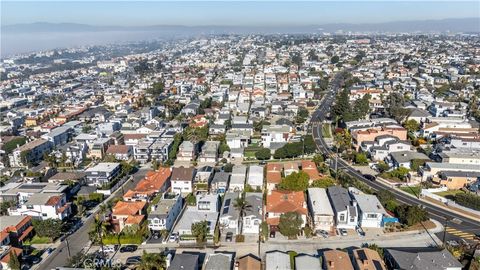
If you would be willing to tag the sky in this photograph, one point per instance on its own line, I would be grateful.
(241, 13)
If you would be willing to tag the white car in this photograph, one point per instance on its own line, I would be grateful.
(109, 249)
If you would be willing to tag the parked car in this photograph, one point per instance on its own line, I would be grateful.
(229, 237)
(109, 249)
(343, 232)
(134, 260)
(323, 233)
(477, 236)
(360, 231)
(173, 237)
(369, 177)
(128, 248)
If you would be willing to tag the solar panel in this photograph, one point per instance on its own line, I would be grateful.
(361, 255)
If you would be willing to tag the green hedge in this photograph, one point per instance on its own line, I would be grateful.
(468, 200)
(112, 239)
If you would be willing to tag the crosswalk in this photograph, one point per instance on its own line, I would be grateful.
(462, 234)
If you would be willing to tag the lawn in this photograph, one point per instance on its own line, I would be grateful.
(415, 190)
(39, 240)
(449, 194)
(249, 154)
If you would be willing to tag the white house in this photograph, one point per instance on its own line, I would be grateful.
(237, 180)
(165, 212)
(253, 215)
(321, 211)
(255, 176)
(44, 206)
(370, 210)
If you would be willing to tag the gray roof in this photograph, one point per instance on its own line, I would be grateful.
(339, 197)
(221, 177)
(255, 200)
(405, 156)
(184, 262)
(369, 203)
(228, 207)
(307, 262)
(219, 261)
(424, 260)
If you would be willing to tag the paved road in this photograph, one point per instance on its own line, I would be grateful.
(465, 229)
(79, 240)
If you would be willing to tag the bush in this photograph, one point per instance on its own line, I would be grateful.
(263, 154)
(295, 181)
(468, 200)
(125, 239)
(361, 159)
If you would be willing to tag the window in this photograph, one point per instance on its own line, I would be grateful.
(352, 219)
(342, 217)
(29, 206)
(44, 215)
(371, 215)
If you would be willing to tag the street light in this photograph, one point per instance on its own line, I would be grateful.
(445, 231)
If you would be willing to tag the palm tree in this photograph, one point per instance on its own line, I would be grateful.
(100, 228)
(242, 206)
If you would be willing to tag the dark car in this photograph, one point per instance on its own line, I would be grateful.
(128, 248)
(477, 236)
(369, 177)
(229, 237)
(134, 260)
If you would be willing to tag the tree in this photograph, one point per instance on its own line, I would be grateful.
(412, 126)
(263, 154)
(361, 107)
(228, 167)
(152, 261)
(382, 166)
(295, 181)
(411, 214)
(318, 159)
(324, 182)
(14, 263)
(200, 231)
(126, 167)
(50, 228)
(302, 115)
(280, 153)
(290, 224)
(341, 108)
(334, 59)
(361, 158)
(241, 205)
(258, 125)
(309, 145)
(394, 105)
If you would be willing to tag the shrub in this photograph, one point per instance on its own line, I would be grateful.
(240, 238)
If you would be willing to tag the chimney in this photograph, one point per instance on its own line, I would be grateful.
(365, 262)
(331, 264)
(153, 207)
(237, 264)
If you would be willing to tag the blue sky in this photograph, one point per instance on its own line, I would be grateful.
(264, 13)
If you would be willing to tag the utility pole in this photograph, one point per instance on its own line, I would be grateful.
(68, 246)
(444, 232)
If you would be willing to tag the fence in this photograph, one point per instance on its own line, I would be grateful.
(430, 193)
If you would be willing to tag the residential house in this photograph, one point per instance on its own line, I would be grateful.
(219, 261)
(255, 177)
(128, 213)
(58, 136)
(290, 167)
(248, 262)
(237, 179)
(66, 177)
(275, 134)
(120, 152)
(5, 255)
(367, 259)
(405, 158)
(203, 177)
(276, 260)
(321, 212)
(252, 219)
(359, 136)
(307, 262)
(182, 179)
(219, 182)
(229, 214)
(102, 173)
(456, 179)
(344, 208)
(206, 209)
(310, 168)
(18, 229)
(370, 210)
(163, 214)
(155, 182)
(44, 206)
(32, 153)
(273, 175)
(99, 148)
(209, 152)
(185, 261)
(281, 202)
(421, 259)
(336, 260)
(186, 151)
